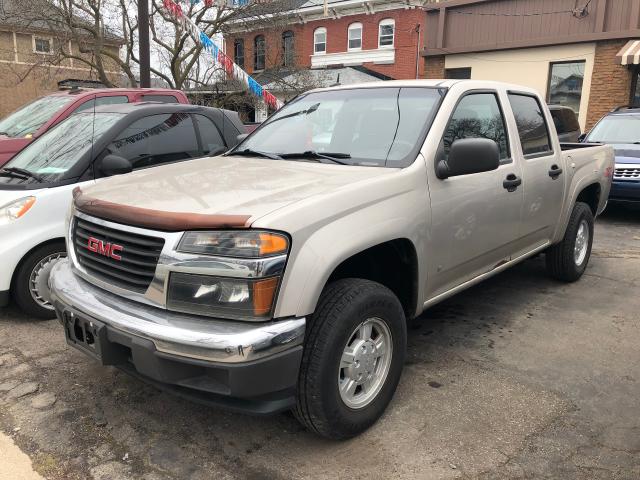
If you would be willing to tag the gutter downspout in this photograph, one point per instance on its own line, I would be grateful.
(419, 32)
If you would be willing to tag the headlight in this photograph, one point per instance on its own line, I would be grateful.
(240, 244)
(232, 298)
(16, 209)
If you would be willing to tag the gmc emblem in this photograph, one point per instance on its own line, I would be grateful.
(107, 249)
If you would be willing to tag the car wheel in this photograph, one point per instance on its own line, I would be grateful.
(353, 358)
(568, 260)
(30, 286)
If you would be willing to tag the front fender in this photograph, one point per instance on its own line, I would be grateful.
(394, 208)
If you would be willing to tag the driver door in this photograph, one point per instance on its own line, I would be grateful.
(475, 219)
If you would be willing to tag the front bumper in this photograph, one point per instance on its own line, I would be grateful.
(251, 367)
(625, 191)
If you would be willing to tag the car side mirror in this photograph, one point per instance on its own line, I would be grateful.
(469, 155)
(115, 165)
(582, 138)
(241, 137)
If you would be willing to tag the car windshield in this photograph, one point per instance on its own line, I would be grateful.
(365, 126)
(616, 129)
(31, 117)
(56, 152)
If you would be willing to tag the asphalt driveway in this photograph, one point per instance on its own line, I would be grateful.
(520, 377)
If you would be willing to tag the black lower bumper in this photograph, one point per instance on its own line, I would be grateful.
(260, 387)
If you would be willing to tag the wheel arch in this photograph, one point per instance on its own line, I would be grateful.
(29, 252)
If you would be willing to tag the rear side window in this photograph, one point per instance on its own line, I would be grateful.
(160, 98)
(157, 139)
(570, 120)
(209, 136)
(532, 127)
(558, 121)
(102, 101)
(478, 115)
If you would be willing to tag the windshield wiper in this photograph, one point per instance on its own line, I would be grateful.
(22, 173)
(309, 110)
(332, 157)
(256, 153)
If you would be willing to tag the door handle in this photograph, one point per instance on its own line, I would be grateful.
(555, 171)
(512, 182)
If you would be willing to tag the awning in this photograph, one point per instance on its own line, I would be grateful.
(630, 53)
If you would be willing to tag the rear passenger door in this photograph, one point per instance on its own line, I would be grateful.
(542, 171)
(475, 219)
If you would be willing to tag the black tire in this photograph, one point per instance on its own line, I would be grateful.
(20, 288)
(343, 306)
(560, 259)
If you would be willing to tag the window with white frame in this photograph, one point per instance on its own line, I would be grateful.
(42, 45)
(320, 41)
(355, 36)
(386, 33)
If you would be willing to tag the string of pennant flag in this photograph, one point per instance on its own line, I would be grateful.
(231, 68)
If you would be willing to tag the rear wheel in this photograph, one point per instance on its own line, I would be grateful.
(353, 358)
(31, 283)
(568, 260)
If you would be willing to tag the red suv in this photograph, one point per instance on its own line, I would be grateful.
(28, 123)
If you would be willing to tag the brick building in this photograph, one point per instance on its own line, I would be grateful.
(29, 66)
(382, 36)
(579, 53)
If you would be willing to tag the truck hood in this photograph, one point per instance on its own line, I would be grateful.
(627, 153)
(227, 186)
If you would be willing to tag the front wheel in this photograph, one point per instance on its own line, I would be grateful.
(568, 260)
(30, 285)
(353, 358)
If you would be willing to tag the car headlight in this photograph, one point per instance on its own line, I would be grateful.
(16, 209)
(222, 297)
(251, 298)
(239, 244)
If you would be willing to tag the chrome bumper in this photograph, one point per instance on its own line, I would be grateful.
(174, 333)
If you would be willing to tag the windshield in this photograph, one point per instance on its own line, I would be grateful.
(616, 129)
(31, 117)
(366, 126)
(57, 151)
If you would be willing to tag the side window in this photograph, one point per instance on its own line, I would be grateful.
(157, 139)
(532, 127)
(212, 142)
(478, 115)
(558, 120)
(160, 98)
(102, 101)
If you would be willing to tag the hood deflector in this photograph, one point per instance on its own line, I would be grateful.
(155, 219)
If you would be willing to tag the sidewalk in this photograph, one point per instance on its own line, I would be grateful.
(15, 465)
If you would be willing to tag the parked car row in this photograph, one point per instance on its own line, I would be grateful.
(279, 275)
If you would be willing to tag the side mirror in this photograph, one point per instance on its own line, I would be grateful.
(582, 138)
(241, 137)
(115, 165)
(469, 155)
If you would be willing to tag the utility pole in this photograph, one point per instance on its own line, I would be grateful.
(143, 45)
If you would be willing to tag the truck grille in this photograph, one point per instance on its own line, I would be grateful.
(130, 265)
(627, 173)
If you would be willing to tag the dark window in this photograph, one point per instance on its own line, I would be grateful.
(458, 73)
(259, 48)
(157, 139)
(212, 142)
(532, 127)
(42, 45)
(478, 115)
(238, 52)
(565, 120)
(160, 98)
(565, 84)
(102, 101)
(288, 49)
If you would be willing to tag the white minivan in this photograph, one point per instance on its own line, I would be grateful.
(36, 185)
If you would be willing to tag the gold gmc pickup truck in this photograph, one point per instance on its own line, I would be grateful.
(281, 275)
